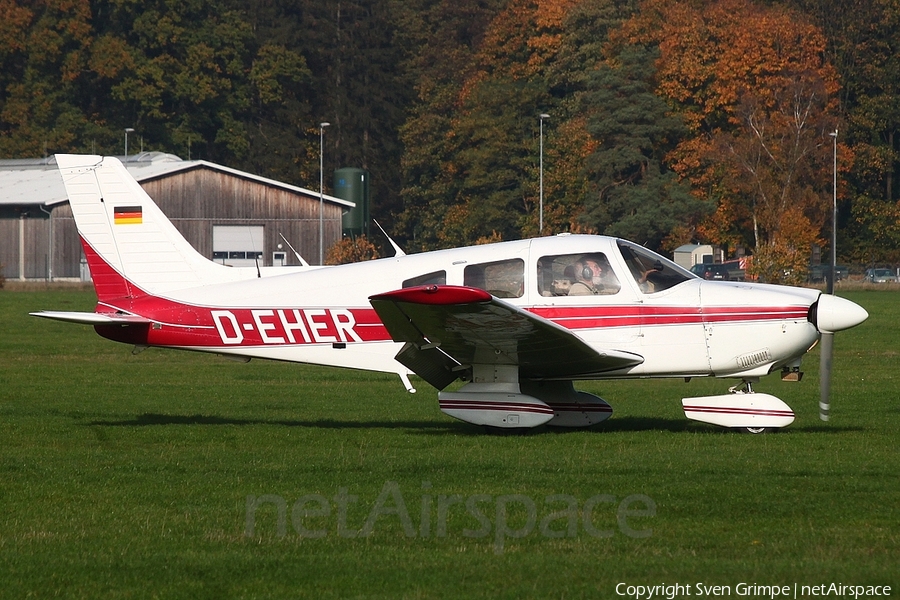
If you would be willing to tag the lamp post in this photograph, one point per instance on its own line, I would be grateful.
(322, 127)
(831, 279)
(127, 131)
(541, 209)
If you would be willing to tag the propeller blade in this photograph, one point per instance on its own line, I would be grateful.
(826, 347)
(832, 314)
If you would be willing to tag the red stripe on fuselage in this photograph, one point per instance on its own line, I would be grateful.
(580, 317)
(199, 326)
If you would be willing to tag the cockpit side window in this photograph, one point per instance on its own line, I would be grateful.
(576, 275)
(503, 279)
(436, 278)
(652, 272)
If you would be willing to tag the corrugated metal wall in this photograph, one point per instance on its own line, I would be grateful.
(194, 201)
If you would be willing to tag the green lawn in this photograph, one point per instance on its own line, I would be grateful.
(161, 475)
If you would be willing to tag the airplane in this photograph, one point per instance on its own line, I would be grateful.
(518, 321)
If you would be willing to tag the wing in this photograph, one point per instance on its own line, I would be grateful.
(447, 329)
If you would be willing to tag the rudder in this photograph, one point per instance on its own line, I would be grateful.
(122, 227)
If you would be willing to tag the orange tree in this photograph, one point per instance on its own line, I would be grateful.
(351, 250)
(760, 101)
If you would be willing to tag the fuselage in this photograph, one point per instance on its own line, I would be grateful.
(682, 326)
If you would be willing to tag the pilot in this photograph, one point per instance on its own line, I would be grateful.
(588, 277)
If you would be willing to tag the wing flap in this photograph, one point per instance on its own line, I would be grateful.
(472, 327)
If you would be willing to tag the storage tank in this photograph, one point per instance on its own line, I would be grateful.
(353, 184)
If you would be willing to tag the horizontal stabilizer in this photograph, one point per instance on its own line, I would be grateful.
(87, 318)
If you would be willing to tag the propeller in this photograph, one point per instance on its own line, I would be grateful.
(832, 314)
(826, 350)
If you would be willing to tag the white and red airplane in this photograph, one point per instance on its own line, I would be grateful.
(518, 321)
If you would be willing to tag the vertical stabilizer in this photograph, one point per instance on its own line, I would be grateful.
(122, 227)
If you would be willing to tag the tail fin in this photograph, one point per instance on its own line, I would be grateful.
(129, 243)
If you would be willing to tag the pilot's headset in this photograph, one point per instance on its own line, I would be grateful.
(587, 273)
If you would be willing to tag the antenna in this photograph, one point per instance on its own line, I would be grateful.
(397, 250)
(297, 254)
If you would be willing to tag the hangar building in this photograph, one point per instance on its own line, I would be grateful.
(229, 216)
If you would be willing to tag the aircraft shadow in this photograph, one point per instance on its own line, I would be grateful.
(429, 427)
(614, 425)
(153, 419)
(642, 424)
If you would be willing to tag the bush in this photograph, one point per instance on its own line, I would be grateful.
(351, 250)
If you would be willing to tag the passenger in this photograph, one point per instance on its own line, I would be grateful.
(561, 287)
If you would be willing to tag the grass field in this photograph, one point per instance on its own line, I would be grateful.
(162, 474)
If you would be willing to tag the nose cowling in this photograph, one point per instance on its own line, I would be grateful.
(831, 313)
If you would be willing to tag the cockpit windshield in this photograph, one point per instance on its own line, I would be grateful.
(652, 272)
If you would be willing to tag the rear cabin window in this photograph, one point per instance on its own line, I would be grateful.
(652, 272)
(503, 279)
(576, 275)
(436, 278)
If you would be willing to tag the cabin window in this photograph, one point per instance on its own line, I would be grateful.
(503, 279)
(436, 278)
(576, 275)
(652, 272)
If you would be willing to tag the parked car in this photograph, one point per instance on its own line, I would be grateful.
(881, 276)
(710, 271)
(819, 272)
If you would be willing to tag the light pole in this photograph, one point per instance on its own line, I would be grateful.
(322, 127)
(830, 285)
(541, 209)
(127, 131)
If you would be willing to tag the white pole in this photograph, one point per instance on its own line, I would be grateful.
(22, 247)
(541, 210)
(830, 286)
(322, 127)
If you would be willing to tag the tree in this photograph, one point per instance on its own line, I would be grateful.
(634, 194)
(759, 100)
(862, 44)
(777, 156)
(471, 161)
(43, 51)
(351, 250)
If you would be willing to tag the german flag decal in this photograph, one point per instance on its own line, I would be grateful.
(128, 215)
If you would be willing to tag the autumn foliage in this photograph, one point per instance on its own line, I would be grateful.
(760, 101)
(669, 121)
(351, 250)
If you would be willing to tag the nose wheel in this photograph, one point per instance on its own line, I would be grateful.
(741, 409)
(746, 387)
(753, 430)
